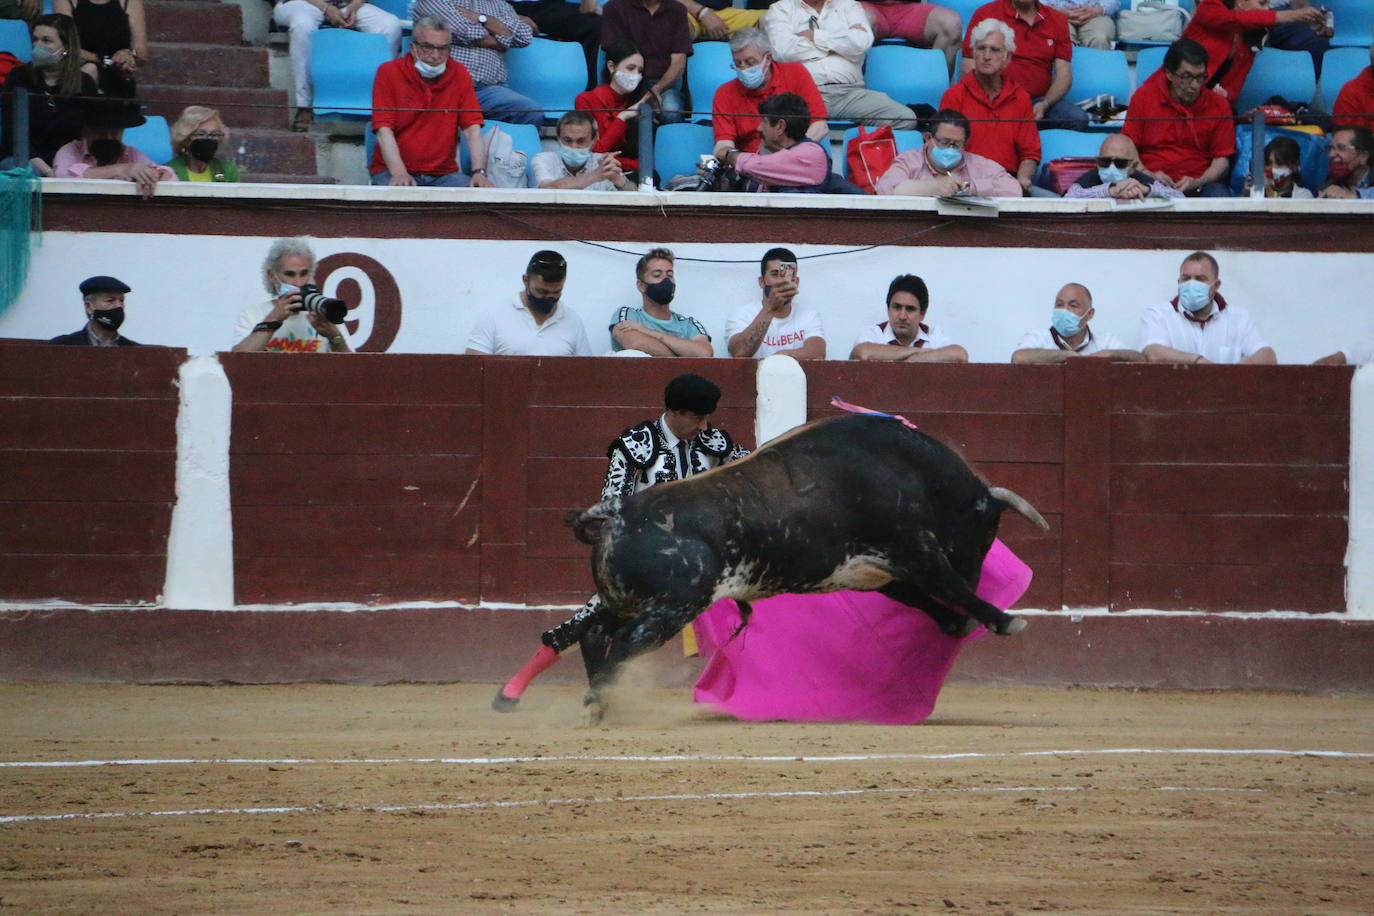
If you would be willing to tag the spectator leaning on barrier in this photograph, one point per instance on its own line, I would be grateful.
(1197, 325)
(302, 18)
(779, 324)
(1119, 175)
(661, 32)
(1092, 23)
(653, 328)
(482, 32)
(282, 324)
(791, 162)
(104, 301)
(831, 38)
(1184, 131)
(615, 104)
(1006, 131)
(905, 336)
(101, 153)
(537, 322)
(197, 137)
(1349, 164)
(1230, 30)
(758, 77)
(419, 104)
(943, 168)
(53, 78)
(717, 20)
(1352, 355)
(574, 166)
(1069, 336)
(1355, 102)
(1041, 51)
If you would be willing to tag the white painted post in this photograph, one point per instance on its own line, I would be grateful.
(1359, 554)
(781, 397)
(200, 547)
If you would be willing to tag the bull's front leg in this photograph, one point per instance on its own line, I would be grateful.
(651, 628)
(931, 571)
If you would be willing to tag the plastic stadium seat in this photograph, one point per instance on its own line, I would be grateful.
(707, 69)
(965, 9)
(1284, 73)
(153, 138)
(15, 38)
(1340, 66)
(678, 148)
(343, 64)
(1100, 73)
(1354, 20)
(906, 140)
(398, 8)
(1056, 144)
(550, 72)
(908, 75)
(525, 137)
(1147, 62)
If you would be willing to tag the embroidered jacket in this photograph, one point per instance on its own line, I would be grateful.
(641, 458)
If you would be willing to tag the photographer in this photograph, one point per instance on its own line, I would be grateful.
(790, 161)
(297, 319)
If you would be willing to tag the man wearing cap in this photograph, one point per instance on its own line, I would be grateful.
(101, 153)
(104, 299)
(536, 323)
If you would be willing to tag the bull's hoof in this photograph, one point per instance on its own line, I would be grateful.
(503, 703)
(1012, 626)
(593, 711)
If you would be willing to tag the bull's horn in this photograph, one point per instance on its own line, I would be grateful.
(587, 525)
(1020, 504)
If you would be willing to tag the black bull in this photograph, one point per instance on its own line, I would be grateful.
(849, 502)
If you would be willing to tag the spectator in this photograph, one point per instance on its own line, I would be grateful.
(419, 104)
(1119, 175)
(615, 104)
(1002, 109)
(281, 324)
(1355, 102)
(196, 139)
(27, 10)
(114, 38)
(1299, 36)
(1069, 336)
(1196, 326)
(574, 166)
(1348, 164)
(1092, 23)
(302, 17)
(101, 153)
(1229, 30)
(778, 324)
(717, 20)
(653, 328)
(561, 21)
(831, 38)
(759, 77)
(1184, 133)
(942, 168)
(791, 162)
(536, 323)
(1352, 355)
(104, 301)
(661, 32)
(1040, 50)
(905, 337)
(482, 32)
(916, 22)
(53, 77)
(1282, 170)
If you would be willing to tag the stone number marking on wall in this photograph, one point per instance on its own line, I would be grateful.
(386, 297)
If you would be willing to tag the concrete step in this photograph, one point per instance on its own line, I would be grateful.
(202, 21)
(196, 64)
(240, 108)
(274, 152)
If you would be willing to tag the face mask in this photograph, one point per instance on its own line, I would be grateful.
(203, 150)
(110, 318)
(1066, 322)
(45, 57)
(105, 151)
(1111, 174)
(541, 304)
(946, 158)
(1194, 295)
(574, 158)
(626, 81)
(662, 291)
(285, 289)
(1279, 174)
(752, 77)
(430, 71)
(1337, 169)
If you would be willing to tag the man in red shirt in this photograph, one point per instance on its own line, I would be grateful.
(1355, 103)
(416, 102)
(734, 110)
(1004, 128)
(1184, 132)
(1041, 53)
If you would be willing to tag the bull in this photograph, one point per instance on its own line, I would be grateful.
(861, 502)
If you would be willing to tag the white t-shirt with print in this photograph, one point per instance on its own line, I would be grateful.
(788, 333)
(296, 334)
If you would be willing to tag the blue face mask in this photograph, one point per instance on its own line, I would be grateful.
(1111, 174)
(1066, 322)
(286, 288)
(752, 77)
(574, 158)
(1194, 295)
(946, 157)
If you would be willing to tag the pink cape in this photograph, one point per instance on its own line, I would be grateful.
(842, 656)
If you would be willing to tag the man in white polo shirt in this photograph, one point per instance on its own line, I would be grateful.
(777, 324)
(1069, 335)
(536, 323)
(1197, 325)
(905, 336)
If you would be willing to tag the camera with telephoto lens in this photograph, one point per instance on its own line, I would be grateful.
(312, 300)
(710, 171)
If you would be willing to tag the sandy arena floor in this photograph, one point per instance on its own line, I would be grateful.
(332, 799)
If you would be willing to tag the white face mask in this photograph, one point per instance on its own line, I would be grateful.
(626, 81)
(430, 71)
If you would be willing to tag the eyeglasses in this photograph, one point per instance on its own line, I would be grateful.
(1106, 161)
(207, 135)
(426, 46)
(1343, 147)
(946, 143)
(748, 66)
(1189, 77)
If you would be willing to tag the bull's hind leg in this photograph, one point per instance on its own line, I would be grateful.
(950, 621)
(930, 571)
(652, 627)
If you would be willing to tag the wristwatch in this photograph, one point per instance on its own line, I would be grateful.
(481, 18)
(479, 171)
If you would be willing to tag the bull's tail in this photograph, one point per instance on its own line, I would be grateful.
(1021, 505)
(587, 525)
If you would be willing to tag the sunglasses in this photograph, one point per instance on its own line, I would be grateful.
(1106, 161)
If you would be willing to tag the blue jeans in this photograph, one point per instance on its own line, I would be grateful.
(674, 109)
(1064, 115)
(502, 104)
(451, 180)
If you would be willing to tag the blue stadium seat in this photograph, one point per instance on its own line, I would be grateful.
(1100, 73)
(525, 137)
(1147, 62)
(1056, 144)
(1340, 66)
(1354, 20)
(707, 70)
(1283, 73)
(678, 148)
(550, 72)
(965, 9)
(906, 140)
(398, 8)
(15, 38)
(343, 64)
(153, 138)
(907, 75)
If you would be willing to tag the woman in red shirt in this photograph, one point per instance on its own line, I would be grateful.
(1232, 31)
(615, 104)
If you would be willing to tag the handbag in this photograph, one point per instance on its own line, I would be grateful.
(1152, 21)
(869, 155)
(506, 165)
